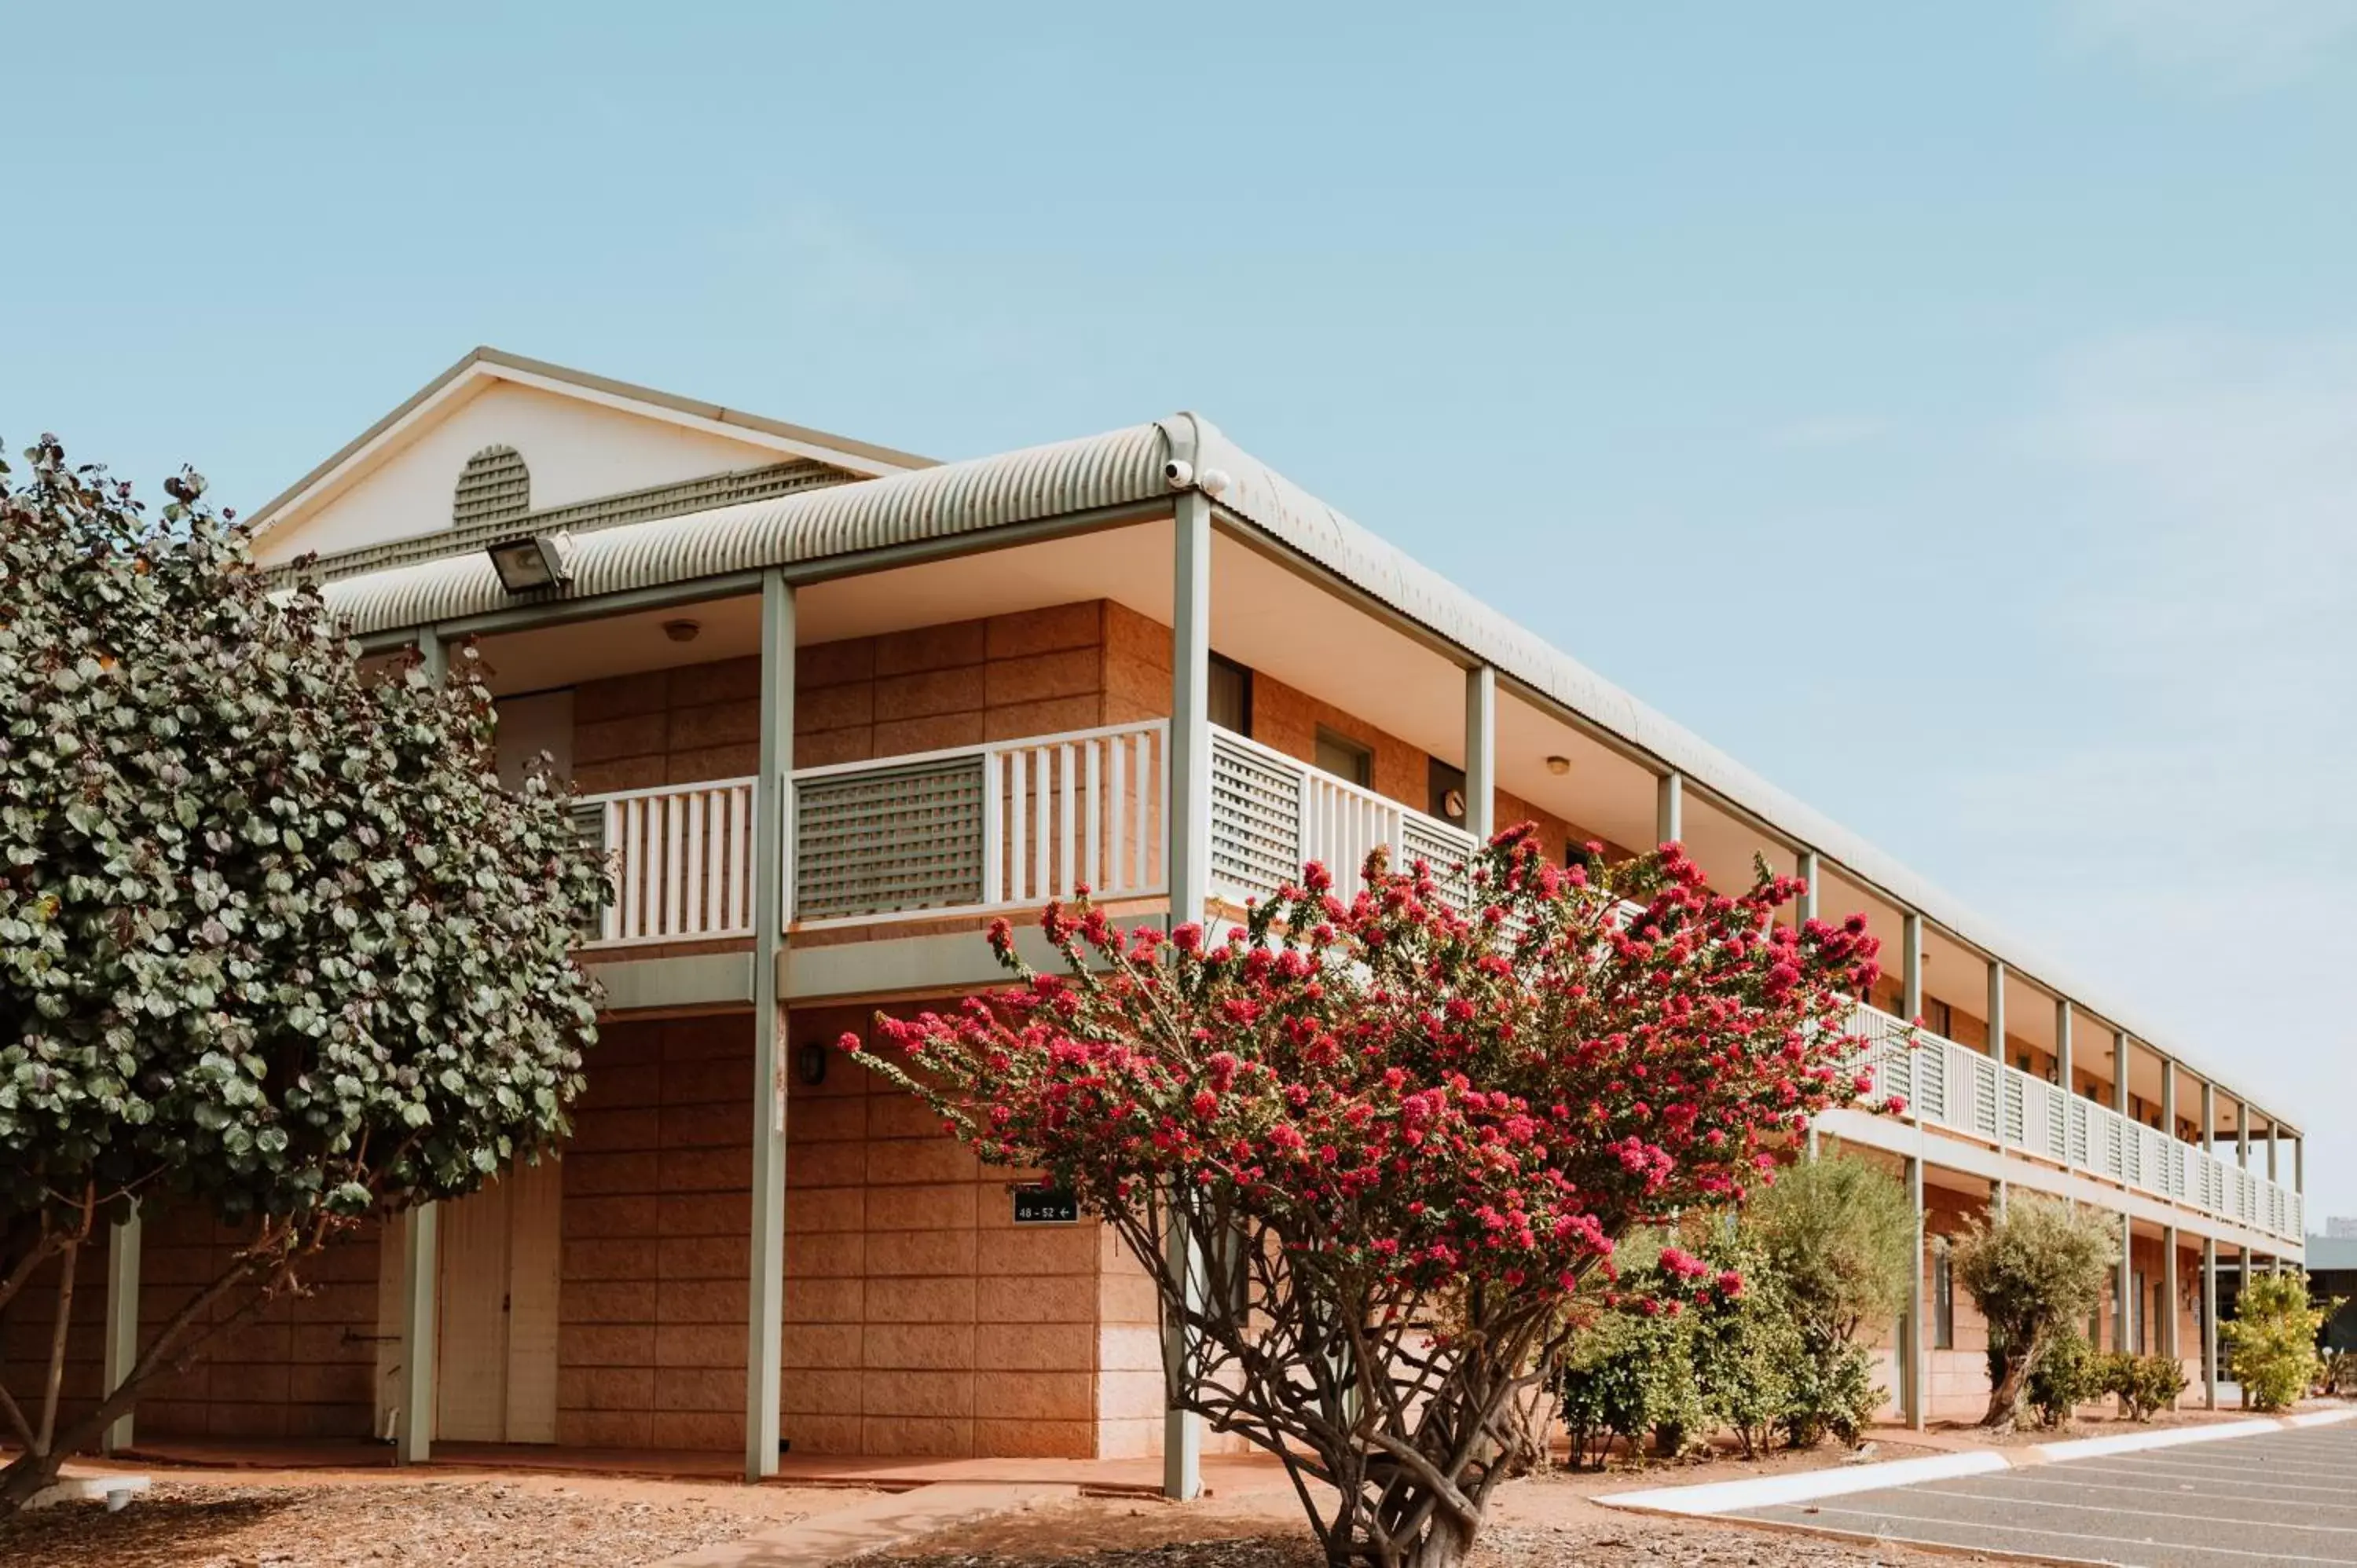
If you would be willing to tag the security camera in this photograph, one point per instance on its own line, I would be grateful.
(1177, 473)
(1213, 480)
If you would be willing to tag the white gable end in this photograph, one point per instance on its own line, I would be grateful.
(573, 450)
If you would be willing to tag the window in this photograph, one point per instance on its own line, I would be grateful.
(1444, 787)
(1943, 1300)
(1939, 1019)
(1345, 758)
(1231, 696)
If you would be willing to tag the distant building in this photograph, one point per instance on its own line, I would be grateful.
(2332, 1275)
(2341, 1227)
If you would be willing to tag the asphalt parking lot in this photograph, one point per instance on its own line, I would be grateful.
(2281, 1497)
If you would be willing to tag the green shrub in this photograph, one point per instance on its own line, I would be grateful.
(2271, 1340)
(1629, 1377)
(2144, 1383)
(1833, 1390)
(2067, 1373)
(2340, 1372)
(1745, 1347)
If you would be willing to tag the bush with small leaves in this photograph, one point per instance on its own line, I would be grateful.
(2143, 1384)
(1833, 1393)
(2067, 1374)
(2271, 1340)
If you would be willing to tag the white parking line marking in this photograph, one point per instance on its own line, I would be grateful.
(2065, 1535)
(2140, 1513)
(2176, 1489)
(2092, 1469)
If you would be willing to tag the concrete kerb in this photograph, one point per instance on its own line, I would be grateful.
(1714, 1498)
(884, 1521)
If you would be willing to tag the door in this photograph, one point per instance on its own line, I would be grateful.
(496, 1377)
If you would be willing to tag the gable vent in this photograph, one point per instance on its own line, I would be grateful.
(494, 484)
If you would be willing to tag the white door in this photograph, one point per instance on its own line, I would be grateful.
(471, 1380)
(497, 1372)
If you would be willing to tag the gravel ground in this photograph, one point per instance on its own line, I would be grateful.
(1541, 1523)
(1651, 1544)
(522, 1523)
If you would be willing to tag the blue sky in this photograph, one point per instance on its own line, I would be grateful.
(1950, 411)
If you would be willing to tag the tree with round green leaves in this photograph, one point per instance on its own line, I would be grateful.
(276, 944)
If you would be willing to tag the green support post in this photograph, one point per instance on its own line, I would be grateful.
(772, 811)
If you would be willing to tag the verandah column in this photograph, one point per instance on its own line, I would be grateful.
(1804, 909)
(1912, 1339)
(1669, 808)
(1914, 1342)
(1996, 1054)
(2124, 1284)
(2209, 1323)
(1187, 824)
(2166, 1336)
(122, 1349)
(414, 1409)
(1482, 752)
(765, 1301)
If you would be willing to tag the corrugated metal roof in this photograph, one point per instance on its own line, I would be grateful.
(1125, 467)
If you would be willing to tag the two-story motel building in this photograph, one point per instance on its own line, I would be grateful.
(832, 707)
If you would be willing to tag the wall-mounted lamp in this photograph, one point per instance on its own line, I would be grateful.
(1558, 764)
(536, 560)
(810, 1064)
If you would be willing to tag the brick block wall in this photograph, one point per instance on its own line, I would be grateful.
(26, 1334)
(920, 1319)
(657, 1215)
(304, 1367)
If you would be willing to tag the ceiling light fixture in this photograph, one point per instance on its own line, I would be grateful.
(1558, 764)
(683, 630)
(535, 561)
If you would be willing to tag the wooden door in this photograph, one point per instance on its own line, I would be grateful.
(470, 1382)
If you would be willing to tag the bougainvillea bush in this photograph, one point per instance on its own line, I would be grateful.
(274, 943)
(1353, 1115)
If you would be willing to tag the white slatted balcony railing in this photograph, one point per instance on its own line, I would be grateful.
(681, 859)
(1272, 814)
(1963, 1090)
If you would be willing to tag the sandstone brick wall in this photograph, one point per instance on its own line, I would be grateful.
(305, 1366)
(25, 1335)
(920, 1319)
(657, 1213)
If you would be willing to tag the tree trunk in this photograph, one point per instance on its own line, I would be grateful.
(2005, 1394)
(54, 1388)
(1444, 1546)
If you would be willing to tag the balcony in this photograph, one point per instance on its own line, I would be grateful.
(987, 829)
(1962, 1090)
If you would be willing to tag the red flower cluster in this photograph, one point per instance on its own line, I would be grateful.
(1438, 1096)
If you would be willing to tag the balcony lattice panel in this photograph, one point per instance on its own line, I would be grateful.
(889, 840)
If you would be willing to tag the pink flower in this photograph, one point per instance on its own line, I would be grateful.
(1730, 1283)
(1681, 1263)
